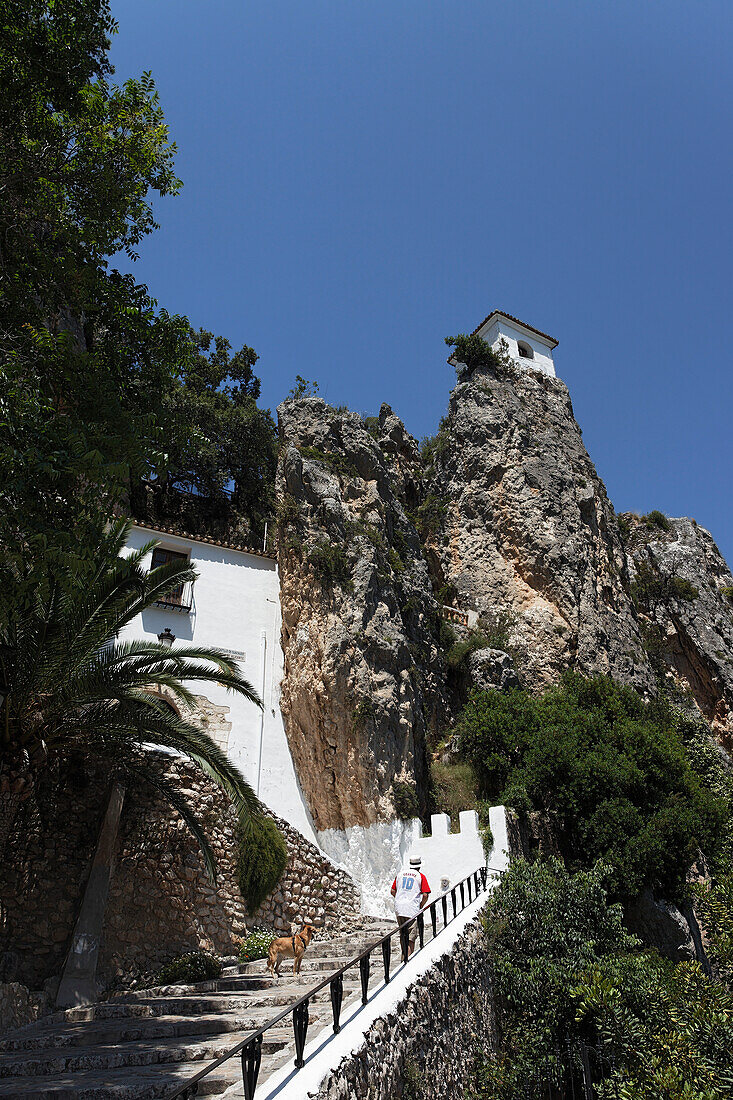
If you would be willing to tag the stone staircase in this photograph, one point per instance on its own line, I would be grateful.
(149, 1043)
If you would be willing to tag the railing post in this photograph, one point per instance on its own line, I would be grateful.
(421, 929)
(386, 955)
(463, 895)
(434, 919)
(364, 972)
(483, 877)
(454, 903)
(301, 1019)
(468, 884)
(444, 905)
(477, 881)
(251, 1058)
(404, 940)
(337, 996)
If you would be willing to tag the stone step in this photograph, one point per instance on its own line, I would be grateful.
(131, 1030)
(136, 1083)
(110, 1056)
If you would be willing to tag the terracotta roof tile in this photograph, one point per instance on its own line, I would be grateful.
(159, 529)
(501, 313)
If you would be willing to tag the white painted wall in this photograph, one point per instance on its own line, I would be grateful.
(236, 606)
(501, 329)
(447, 855)
(372, 855)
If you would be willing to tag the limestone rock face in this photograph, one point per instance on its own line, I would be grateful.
(529, 533)
(684, 590)
(492, 669)
(363, 672)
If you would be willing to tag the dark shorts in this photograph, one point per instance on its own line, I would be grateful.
(412, 934)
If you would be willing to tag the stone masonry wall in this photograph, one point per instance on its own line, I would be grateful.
(426, 1047)
(161, 902)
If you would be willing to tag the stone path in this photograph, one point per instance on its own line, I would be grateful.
(148, 1043)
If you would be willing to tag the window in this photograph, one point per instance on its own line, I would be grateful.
(179, 597)
(524, 350)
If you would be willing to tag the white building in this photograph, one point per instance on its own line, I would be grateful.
(234, 605)
(524, 343)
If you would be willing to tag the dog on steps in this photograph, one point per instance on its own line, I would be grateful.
(286, 947)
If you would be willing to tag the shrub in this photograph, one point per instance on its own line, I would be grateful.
(363, 711)
(435, 448)
(727, 591)
(651, 588)
(609, 770)
(195, 966)
(261, 860)
(455, 788)
(446, 635)
(429, 516)
(563, 966)
(256, 945)
(657, 519)
(302, 388)
(459, 652)
(330, 563)
(473, 351)
(371, 423)
(396, 563)
(404, 799)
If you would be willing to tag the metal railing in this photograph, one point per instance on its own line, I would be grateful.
(178, 599)
(448, 905)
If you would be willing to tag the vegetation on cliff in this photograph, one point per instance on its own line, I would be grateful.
(607, 769)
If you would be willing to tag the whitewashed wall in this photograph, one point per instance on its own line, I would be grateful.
(505, 330)
(236, 606)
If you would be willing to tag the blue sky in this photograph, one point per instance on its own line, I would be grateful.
(364, 178)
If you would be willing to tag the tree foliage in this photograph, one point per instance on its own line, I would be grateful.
(563, 966)
(609, 770)
(92, 370)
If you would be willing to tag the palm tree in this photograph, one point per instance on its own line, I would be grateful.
(73, 687)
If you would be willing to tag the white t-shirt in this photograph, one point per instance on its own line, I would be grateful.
(408, 886)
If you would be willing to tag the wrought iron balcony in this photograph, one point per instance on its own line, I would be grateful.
(178, 599)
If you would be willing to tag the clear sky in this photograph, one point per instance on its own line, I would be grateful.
(365, 178)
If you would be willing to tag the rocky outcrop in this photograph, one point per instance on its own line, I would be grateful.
(529, 535)
(684, 592)
(492, 670)
(362, 684)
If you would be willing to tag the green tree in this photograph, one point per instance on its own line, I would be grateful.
(564, 967)
(221, 454)
(99, 387)
(84, 350)
(74, 687)
(608, 769)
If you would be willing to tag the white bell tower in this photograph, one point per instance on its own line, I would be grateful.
(525, 344)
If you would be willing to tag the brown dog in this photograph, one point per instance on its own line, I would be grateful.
(286, 946)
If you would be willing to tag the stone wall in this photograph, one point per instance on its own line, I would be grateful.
(426, 1047)
(161, 902)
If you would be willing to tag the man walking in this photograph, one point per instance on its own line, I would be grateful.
(410, 891)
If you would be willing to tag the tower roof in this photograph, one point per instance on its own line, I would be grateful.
(515, 320)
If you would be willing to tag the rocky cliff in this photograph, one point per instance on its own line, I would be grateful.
(683, 589)
(529, 537)
(363, 672)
